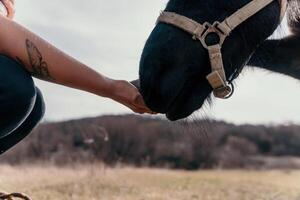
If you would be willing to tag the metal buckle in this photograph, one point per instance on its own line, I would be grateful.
(221, 88)
(211, 29)
(224, 92)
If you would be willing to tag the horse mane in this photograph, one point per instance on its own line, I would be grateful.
(293, 16)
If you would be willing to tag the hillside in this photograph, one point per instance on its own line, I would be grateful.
(140, 141)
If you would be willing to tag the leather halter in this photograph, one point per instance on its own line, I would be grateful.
(217, 78)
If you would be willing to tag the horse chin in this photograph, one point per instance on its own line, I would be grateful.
(175, 99)
(175, 116)
(184, 111)
(185, 105)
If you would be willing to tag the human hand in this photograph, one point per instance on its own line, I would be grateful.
(128, 95)
(10, 8)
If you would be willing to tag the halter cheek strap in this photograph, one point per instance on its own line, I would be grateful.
(217, 78)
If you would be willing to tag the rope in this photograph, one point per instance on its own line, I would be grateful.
(12, 196)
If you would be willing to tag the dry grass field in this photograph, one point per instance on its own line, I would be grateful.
(98, 183)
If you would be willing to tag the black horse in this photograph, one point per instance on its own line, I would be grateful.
(174, 67)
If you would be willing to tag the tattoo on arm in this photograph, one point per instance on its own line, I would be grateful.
(39, 68)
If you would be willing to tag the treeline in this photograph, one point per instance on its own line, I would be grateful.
(140, 141)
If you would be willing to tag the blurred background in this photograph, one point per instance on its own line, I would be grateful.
(247, 147)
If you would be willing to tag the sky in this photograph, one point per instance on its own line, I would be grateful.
(109, 37)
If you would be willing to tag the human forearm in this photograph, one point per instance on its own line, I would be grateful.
(46, 62)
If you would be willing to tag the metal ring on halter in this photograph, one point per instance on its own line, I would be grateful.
(231, 85)
(224, 92)
(211, 28)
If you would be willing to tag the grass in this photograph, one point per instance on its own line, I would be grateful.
(98, 183)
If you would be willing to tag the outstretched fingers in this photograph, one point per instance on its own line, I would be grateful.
(141, 107)
(127, 94)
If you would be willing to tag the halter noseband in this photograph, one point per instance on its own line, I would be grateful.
(217, 78)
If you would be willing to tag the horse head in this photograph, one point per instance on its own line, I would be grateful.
(174, 67)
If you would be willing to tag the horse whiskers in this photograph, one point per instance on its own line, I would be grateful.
(196, 126)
